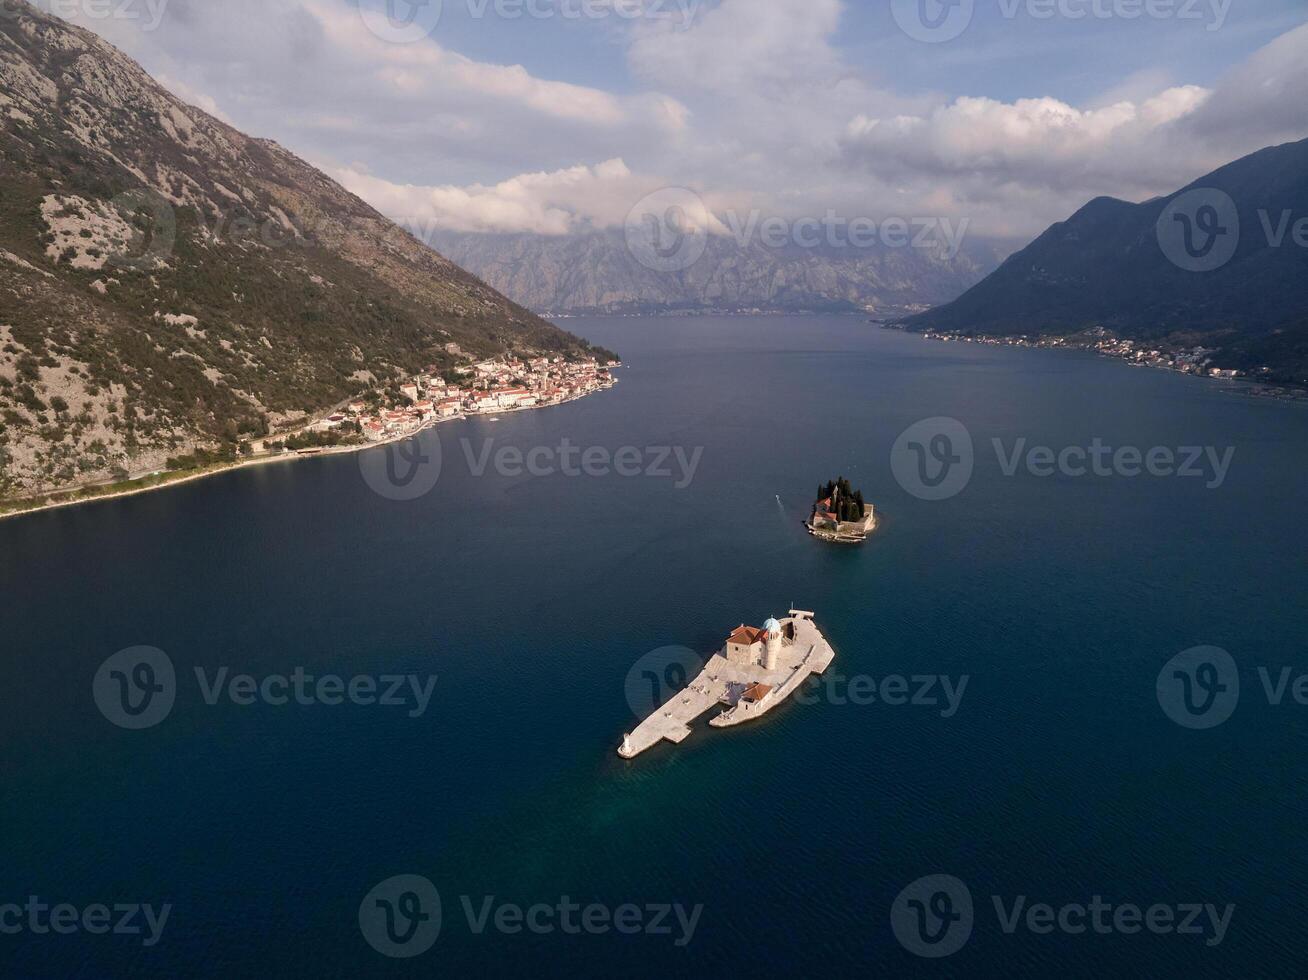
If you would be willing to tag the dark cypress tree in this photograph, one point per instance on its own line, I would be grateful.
(847, 504)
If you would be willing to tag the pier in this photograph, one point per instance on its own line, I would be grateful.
(748, 679)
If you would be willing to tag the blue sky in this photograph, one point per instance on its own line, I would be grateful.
(490, 118)
(999, 57)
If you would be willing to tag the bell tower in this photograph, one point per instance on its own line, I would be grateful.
(772, 645)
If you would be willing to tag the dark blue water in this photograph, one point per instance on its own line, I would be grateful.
(530, 597)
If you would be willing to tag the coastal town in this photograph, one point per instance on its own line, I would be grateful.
(1186, 360)
(490, 387)
(494, 386)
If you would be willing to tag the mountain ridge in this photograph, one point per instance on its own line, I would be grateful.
(168, 282)
(595, 273)
(1151, 272)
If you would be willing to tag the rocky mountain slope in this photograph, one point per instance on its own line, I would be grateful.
(1222, 262)
(167, 282)
(596, 273)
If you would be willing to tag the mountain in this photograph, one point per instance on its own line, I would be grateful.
(168, 283)
(595, 272)
(1238, 284)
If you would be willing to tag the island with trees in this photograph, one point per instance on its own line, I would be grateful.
(841, 514)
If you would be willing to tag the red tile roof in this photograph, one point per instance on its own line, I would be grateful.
(747, 635)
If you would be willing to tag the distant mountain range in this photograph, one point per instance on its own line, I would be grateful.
(595, 272)
(1222, 262)
(168, 283)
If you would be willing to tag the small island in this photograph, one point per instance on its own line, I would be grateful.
(841, 514)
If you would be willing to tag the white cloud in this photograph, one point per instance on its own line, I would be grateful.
(311, 75)
(1010, 168)
(1034, 141)
(1262, 99)
(191, 96)
(753, 102)
(426, 70)
(739, 43)
(554, 203)
(1016, 167)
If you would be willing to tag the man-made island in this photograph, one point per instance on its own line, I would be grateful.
(841, 514)
(754, 672)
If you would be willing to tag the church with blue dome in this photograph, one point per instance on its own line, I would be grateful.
(748, 646)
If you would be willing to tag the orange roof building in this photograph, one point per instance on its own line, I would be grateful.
(747, 635)
(751, 646)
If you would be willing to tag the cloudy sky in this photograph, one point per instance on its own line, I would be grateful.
(554, 116)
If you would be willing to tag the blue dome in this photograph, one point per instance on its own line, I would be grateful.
(772, 626)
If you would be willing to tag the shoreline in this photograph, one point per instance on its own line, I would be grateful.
(834, 537)
(1239, 385)
(175, 478)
